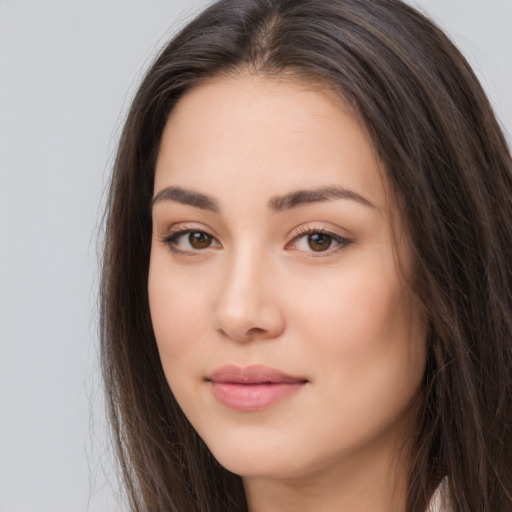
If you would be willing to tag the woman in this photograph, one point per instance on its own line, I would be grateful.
(307, 296)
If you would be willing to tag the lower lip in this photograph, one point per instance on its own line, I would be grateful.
(253, 397)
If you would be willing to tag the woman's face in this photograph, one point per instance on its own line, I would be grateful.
(282, 324)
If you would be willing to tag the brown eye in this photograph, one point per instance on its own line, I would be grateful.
(323, 243)
(319, 241)
(199, 239)
(190, 242)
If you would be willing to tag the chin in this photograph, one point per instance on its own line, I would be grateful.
(261, 461)
(262, 467)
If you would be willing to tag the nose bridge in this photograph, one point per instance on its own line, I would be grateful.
(246, 307)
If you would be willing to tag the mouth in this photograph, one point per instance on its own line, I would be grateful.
(252, 388)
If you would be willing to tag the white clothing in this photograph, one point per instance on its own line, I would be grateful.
(440, 501)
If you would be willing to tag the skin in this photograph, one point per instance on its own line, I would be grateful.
(257, 290)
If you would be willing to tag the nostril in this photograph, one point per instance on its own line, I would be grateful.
(255, 332)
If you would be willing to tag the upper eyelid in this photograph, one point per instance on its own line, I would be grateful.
(187, 227)
(308, 228)
(303, 229)
(335, 236)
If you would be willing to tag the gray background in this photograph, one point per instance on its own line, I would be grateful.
(67, 72)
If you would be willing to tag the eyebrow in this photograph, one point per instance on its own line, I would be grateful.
(276, 204)
(302, 197)
(189, 197)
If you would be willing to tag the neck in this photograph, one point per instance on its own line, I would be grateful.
(375, 480)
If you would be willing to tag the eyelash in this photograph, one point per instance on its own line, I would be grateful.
(304, 231)
(177, 233)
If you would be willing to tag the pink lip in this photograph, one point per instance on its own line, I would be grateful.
(252, 388)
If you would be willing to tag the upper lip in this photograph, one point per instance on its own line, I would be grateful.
(253, 374)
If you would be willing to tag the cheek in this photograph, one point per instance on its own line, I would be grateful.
(178, 311)
(367, 350)
(356, 326)
(358, 305)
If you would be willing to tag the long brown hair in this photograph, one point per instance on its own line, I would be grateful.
(449, 170)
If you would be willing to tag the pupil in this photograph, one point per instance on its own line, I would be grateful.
(199, 240)
(319, 241)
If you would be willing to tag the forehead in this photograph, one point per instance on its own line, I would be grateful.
(253, 130)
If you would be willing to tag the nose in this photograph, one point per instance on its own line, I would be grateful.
(247, 307)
